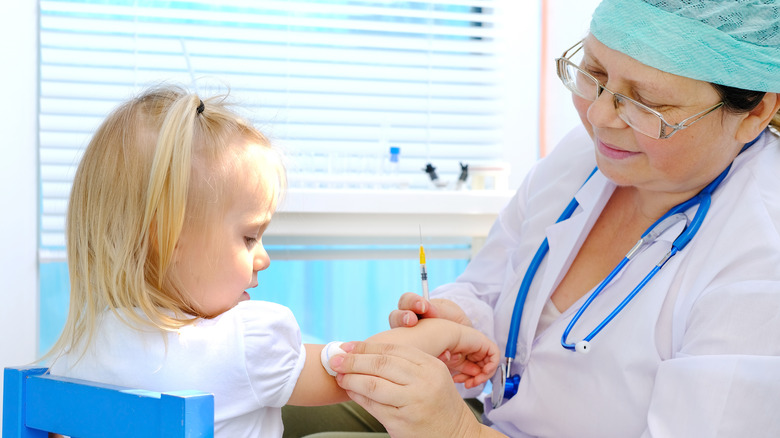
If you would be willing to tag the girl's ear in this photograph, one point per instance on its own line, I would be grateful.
(756, 120)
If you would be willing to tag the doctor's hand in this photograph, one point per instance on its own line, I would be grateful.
(410, 392)
(412, 307)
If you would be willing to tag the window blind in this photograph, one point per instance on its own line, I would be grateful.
(332, 83)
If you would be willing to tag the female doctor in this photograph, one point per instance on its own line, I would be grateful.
(676, 337)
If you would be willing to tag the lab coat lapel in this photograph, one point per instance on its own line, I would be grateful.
(565, 239)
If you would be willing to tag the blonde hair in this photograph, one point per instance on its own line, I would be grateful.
(156, 162)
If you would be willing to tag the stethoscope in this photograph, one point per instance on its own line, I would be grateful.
(509, 384)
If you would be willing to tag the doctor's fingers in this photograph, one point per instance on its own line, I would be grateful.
(396, 363)
(413, 302)
(412, 306)
(409, 306)
(399, 382)
(403, 318)
(431, 409)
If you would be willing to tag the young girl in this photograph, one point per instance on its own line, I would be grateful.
(166, 216)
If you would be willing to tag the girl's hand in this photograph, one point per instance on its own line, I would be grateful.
(407, 390)
(473, 360)
(413, 307)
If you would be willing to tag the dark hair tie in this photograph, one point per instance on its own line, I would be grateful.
(201, 107)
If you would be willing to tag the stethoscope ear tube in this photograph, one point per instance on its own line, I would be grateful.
(656, 230)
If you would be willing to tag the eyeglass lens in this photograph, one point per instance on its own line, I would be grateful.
(589, 88)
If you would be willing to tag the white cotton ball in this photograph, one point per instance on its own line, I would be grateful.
(330, 350)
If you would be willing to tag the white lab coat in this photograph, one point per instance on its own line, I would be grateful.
(695, 354)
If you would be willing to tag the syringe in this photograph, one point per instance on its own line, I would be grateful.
(423, 273)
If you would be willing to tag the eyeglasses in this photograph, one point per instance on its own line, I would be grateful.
(638, 116)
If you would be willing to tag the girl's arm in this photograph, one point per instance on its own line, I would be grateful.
(315, 386)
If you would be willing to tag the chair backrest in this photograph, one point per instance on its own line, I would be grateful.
(35, 403)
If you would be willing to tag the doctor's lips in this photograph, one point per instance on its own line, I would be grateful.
(611, 152)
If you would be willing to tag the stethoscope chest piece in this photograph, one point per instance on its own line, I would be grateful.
(582, 346)
(507, 387)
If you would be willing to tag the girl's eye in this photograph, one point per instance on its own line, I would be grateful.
(250, 241)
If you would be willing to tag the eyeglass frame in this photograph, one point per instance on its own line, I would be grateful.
(565, 59)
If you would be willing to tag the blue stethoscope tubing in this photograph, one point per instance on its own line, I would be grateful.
(703, 199)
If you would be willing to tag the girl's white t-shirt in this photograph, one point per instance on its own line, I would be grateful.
(249, 357)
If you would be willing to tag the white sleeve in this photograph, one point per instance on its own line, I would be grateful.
(274, 352)
(725, 380)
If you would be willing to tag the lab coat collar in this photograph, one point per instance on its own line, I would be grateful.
(564, 236)
(594, 193)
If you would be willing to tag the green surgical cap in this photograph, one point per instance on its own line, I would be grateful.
(728, 42)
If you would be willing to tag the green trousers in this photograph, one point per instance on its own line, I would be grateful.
(343, 420)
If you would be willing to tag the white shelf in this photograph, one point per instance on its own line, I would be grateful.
(334, 216)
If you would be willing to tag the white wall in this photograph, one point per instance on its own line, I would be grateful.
(19, 182)
(568, 21)
(518, 28)
(539, 107)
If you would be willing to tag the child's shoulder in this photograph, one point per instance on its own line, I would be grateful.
(258, 317)
(270, 334)
(254, 309)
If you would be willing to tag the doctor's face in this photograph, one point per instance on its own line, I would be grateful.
(681, 164)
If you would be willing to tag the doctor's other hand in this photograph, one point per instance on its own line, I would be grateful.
(407, 390)
(412, 307)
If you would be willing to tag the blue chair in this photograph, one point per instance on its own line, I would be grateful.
(35, 403)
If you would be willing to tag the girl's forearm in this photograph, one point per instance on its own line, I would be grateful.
(433, 336)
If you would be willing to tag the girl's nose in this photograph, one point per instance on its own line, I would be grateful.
(262, 260)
